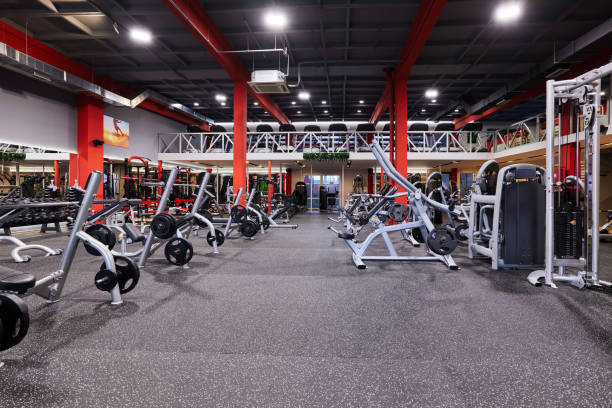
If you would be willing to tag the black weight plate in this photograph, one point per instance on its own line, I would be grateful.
(461, 232)
(163, 226)
(178, 251)
(15, 320)
(206, 214)
(101, 233)
(105, 280)
(398, 212)
(265, 222)
(128, 273)
(441, 240)
(249, 228)
(238, 213)
(219, 237)
(417, 235)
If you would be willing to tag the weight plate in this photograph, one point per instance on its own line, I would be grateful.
(417, 235)
(265, 222)
(398, 212)
(461, 232)
(128, 273)
(441, 240)
(163, 226)
(249, 228)
(206, 214)
(105, 280)
(219, 237)
(238, 213)
(178, 251)
(14, 320)
(101, 233)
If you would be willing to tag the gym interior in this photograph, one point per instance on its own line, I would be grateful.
(302, 203)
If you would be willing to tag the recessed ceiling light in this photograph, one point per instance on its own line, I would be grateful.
(423, 110)
(456, 110)
(275, 19)
(223, 103)
(141, 35)
(256, 103)
(361, 101)
(293, 102)
(324, 102)
(303, 95)
(434, 100)
(508, 11)
(358, 110)
(431, 93)
(299, 111)
(325, 111)
(196, 104)
(220, 98)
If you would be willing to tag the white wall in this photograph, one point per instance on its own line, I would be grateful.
(36, 114)
(144, 127)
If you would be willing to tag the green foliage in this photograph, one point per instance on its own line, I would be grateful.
(326, 156)
(12, 156)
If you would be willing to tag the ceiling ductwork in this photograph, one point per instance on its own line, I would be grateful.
(24, 64)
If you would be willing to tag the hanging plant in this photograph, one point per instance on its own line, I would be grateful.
(326, 156)
(5, 156)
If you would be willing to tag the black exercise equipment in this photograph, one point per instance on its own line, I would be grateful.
(163, 226)
(101, 233)
(14, 320)
(219, 237)
(249, 228)
(178, 251)
(441, 240)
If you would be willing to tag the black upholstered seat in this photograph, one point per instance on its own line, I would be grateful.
(16, 281)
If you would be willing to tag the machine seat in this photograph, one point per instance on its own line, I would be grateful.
(346, 235)
(133, 233)
(15, 281)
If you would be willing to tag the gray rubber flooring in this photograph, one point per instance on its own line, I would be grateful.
(286, 320)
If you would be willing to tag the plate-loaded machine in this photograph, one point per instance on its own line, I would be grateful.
(506, 215)
(567, 231)
(14, 285)
(440, 241)
(165, 228)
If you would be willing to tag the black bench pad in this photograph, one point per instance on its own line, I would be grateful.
(15, 281)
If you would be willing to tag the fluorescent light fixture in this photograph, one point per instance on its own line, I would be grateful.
(196, 104)
(323, 102)
(361, 101)
(220, 98)
(431, 93)
(256, 103)
(141, 35)
(293, 102)
(303, 95)
(508, 11)
(275, 19)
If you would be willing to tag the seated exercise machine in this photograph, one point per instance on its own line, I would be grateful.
(506, 215)
(567, 242)
(440, 241)
(117, 275)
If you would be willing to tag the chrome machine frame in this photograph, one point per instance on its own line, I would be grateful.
(586, 90)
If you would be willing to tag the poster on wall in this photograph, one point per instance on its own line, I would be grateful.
(116, 132)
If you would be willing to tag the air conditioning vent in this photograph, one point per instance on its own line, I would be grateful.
(268, 82)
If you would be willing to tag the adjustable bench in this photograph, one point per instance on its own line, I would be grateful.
(14, 281)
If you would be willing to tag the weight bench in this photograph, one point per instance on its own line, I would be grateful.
(133, 233)
(14, 281)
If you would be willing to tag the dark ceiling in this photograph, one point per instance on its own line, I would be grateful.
(343, 47)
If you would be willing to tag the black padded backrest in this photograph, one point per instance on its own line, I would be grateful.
(312, 128)
(217, 129)
(337, 127)
(472, 127)
(286, 127)
(418, 127)
(264, 128)
(366, 127)
(444, 127)
(386, 128)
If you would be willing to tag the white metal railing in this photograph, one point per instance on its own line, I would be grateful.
(331, 142)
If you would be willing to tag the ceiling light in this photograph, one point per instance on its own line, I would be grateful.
(299, 111)
(434, 100)
(602, 93)
(358, 110)
(256, 103)
(220, 98)
(508, 12)
(324, 102)
(303, 95)
(275, 19)
(431, 93)
(361, 101)
(176, 105)
(456, 110)
(141, 35)
(196, 104)
(423, 110)
(223, 103)
(293, 102)
(325, 111)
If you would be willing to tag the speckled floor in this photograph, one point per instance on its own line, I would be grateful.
(287, 320)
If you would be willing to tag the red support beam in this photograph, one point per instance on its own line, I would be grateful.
(198, 22)
(370, 181)
(73, 172)
(401, 131)
(36, 49)
(538, 89)
(89, 128)
(240, 138)
(56, 173)
(424, 22)
(288, 182)
(391, 117)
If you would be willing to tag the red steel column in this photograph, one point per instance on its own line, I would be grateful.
(56, 173)
(401, 131)
(270, 186)
(90, 118)
(240, 140)
(73, 172)
(569, 167)
(288, 182)
(370, 181)
(391, 118)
